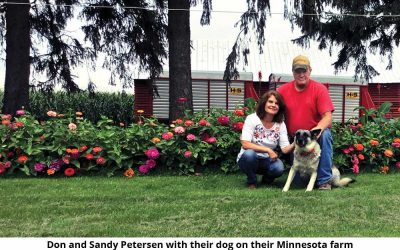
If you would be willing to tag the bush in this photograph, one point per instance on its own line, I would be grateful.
(371, 145)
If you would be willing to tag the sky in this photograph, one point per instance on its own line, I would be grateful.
(221, 28)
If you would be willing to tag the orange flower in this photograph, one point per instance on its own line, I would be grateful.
(358, 146)
(89, 156)
(361, 157)
(78, 113)
(129, 173)
(155, 140)
(74, 151)
(60, 115)
(396, 140)
(5, 122)
(384, 169)
(83, 148)
(374, 142)
(22, 159)
(388, 153)
(68, 150)
(50, 171)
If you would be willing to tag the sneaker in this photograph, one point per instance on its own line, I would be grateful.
(267, 180)
(325, 186)
(252, 186)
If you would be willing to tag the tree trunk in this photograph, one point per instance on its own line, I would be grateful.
(16, 87)
(180, 78)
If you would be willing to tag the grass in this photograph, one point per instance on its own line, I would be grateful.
(208, 206)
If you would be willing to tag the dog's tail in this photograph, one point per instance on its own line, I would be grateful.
(340, 182)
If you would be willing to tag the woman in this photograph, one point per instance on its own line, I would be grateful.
(262, 132)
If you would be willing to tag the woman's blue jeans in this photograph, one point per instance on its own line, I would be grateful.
(252, 165)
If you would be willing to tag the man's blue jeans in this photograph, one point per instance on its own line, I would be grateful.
(252, 165)
(324, 173)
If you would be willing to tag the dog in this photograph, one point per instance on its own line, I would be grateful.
(307, 153)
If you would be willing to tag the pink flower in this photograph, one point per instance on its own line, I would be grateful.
(356, 169)
(187, 154)
(223, 120)
(2, 169)
(72, 126)
(152, 153)
(51, 113)
(204, 136)
(398, 165)
(346, 151)
(396, 144)
(182, 99)
(354, 159)
(6, 117)
(203, 122)
(211, 140)
(144, 169)
(167, 135)
(191, 137)
(20, 112)
(179, 130)
(151, 163)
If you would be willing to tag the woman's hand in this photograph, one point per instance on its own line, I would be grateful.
(272, 155)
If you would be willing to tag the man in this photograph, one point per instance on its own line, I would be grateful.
(309, 106)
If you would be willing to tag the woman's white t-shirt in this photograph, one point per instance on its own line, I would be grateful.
(255, 132)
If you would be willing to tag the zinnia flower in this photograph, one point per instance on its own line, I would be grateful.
(89, 156)
(384, 169)
(238, 112)
(5, 122)
(97, 150)
(83, 148)
(51, 113)
(129, 173)
(398, 165)
(346, 151)
(6, 117)
(179, 130)
(100, 161)
(151, 163)
(356, 169)
(238, 126)
(203, 122)
(361, 156)
(396, 144)
(20, 112)
(396, 140)
(211, 140)
(144, 169)
(56, 164)
(374, 142)
(155, 140)
(2, 168)
(152, 153)
(187, 154)
(50, 171)
(78, 113)
(69, 172)
(191, 137)
(178, 121)
(39, 167)
(22, 159)
(167, 135)
(182, 99)
(358, 146)
(140, 111)
(223, 120)
(7, 164)
(72, 126)
(388, 153)
(188, 123)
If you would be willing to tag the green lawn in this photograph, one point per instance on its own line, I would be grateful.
(207, 206)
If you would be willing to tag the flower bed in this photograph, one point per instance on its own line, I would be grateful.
(68, 144)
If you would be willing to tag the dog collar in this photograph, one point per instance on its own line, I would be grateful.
(305, 154)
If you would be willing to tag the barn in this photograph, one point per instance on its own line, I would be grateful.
(269, 71)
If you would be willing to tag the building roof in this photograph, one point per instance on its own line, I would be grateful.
(210, 55)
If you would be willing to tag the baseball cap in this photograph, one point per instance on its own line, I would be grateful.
(300, 62)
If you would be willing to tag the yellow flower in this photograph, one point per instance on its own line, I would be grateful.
(155, 140)
(140, 111)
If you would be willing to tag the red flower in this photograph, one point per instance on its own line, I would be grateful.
(182, 99)
(22, 159)
(69, 172)
(83, 148)
(100, 161)
(238, 112)
(97, 150)
(223, 120)
(203, 122)
(89, 156)
(2, 168)
(238, 126)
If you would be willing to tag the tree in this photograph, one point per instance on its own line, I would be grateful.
(17, 58)
(180, 76)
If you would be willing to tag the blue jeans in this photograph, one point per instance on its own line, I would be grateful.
(324, 173)
(252, 165)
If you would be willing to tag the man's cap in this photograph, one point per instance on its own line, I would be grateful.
(300, 62)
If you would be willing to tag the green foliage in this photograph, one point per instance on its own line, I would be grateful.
(116, 106)
(373, 144)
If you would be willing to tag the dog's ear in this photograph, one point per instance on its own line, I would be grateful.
(315, 133)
